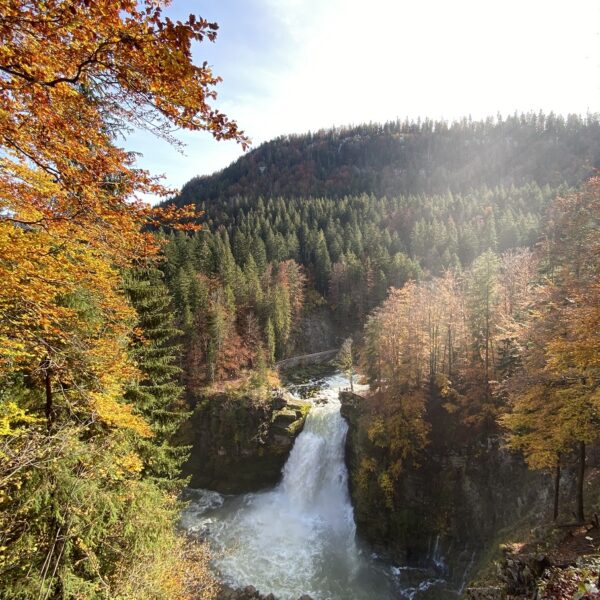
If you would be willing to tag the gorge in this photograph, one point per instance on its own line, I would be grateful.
(300, 537)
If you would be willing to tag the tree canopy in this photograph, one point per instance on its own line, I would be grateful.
(78, 510)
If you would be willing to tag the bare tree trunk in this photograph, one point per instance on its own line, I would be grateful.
(556, 488)
(580, 481)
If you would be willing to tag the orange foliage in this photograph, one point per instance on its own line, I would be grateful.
(73, 75)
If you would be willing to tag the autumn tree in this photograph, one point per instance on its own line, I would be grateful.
(482, 297)
(77, 513)
(395, 334)
(554, 397)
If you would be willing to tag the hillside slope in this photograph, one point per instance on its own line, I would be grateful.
(411, 157)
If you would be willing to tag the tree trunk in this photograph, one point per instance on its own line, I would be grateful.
(48, 386)
(556, 488)
(580, 481)
(449, 352)
(487, 339)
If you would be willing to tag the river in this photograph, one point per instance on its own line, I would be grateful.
(300, 537)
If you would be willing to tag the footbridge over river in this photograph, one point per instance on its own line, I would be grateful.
(304, 360)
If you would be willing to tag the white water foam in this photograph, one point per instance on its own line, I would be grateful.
(300, 537)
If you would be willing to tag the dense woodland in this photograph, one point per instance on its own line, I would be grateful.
(412, 157)
(245, 277)
(462, 257)
(510, 342)
(475, 281)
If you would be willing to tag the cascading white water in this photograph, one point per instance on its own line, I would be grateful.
(299, 538)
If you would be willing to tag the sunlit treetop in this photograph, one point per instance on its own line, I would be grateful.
(125, 58)
(73, 76)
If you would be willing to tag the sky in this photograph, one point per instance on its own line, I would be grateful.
(290, 66)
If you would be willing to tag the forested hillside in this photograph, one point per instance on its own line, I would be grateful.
(462, 259)
(254, 262)
(273, 247)
(407, 157)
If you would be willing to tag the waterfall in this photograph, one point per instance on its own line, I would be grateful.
(300, 537)
(315, 479)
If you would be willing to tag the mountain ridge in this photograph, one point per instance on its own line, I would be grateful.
(406, 157)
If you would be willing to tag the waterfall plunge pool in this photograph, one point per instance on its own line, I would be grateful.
(300, 537)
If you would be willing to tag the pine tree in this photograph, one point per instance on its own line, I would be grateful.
(270, 342)
(322, 264)
(156, 395)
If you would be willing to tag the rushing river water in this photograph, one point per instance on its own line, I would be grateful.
(300, 537)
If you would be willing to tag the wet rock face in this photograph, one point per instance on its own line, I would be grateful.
(240, 445)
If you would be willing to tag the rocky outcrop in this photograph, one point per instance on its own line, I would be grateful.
(240, 444)
(315, 332)
(558, 563)
(248, 593)
(447, 509)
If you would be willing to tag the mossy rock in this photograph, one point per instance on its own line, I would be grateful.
(238, 445)
(282, 418)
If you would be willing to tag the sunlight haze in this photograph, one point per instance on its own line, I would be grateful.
(292, 66)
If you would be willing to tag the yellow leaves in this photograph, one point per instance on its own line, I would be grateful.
(387, 487)
(377, 432)
(367, 467)
(273, 379)
(184, 218)
(444, 385)
(124, 466)
(131, 463)
(554, 399)
(13, 418)
(69, 220)
(110, 410)
(69, 225)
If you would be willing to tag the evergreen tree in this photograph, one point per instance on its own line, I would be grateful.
(322, 264)
(345, 361)
(157, 394)
(270, 341)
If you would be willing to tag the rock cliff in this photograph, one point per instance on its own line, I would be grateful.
(448, 509)
(240, 444)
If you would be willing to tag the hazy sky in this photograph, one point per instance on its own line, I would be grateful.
(296, 65)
